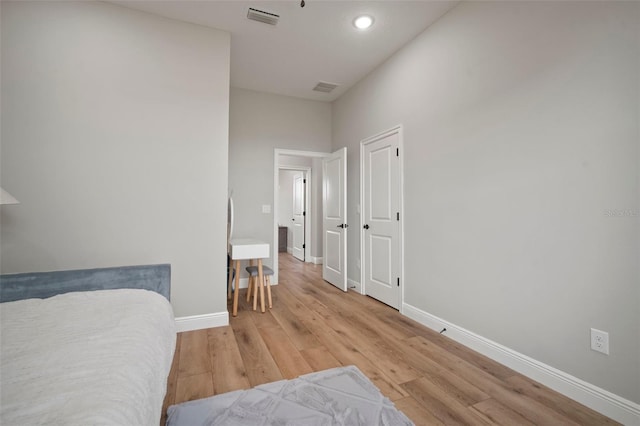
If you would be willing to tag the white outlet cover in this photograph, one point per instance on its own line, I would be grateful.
(600, 341)
(266, 208)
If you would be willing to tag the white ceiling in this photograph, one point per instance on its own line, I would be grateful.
(308, 45)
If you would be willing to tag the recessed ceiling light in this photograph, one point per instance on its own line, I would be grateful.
(363, 22)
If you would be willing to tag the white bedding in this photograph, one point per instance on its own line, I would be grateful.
(96, 357)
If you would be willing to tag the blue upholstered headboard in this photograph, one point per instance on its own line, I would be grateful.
(40, 285)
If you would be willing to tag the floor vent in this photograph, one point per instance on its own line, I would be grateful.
(325, 87)
(262, 16)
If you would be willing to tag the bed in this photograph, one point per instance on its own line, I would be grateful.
(85, 347)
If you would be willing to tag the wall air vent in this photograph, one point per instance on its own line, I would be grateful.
(325, 87)
(262, 16)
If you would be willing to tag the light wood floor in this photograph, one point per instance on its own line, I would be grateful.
(314, 326)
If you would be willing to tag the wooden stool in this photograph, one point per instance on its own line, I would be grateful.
(253, 280)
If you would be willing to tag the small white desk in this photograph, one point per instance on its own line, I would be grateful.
(247, 249)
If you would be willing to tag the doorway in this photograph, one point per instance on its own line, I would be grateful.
(294, 211)
(315, 238)
(311, 163)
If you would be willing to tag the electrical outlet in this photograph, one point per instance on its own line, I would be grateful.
(600, 341)
(266, 208)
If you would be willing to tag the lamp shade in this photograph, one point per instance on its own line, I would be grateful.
(6, 198)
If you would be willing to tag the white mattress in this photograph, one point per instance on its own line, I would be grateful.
(97, 357)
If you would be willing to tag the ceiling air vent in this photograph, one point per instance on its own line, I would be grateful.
(262, 16)
(325, 87)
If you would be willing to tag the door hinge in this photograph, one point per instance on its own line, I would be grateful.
(304, 213)
(304, 246)
(397, 215)
(397, 152)
(304, 181)
(398, 281)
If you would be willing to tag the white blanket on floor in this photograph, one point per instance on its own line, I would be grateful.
(96, 357)
(338, 397)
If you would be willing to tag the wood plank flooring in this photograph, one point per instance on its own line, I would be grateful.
(313, 326)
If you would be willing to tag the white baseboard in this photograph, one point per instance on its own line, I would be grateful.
(308, 258)
(198, 322)
(354, 285)
(611, 405)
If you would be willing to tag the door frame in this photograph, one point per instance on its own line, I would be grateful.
(307, 206)
(276, 166)
(396, 129)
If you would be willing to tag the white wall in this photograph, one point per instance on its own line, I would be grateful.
(295, 161)
(521, 134)
(114, 139)
(260, 123)
(316, 206)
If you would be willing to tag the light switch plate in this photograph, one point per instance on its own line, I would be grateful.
(266, 208)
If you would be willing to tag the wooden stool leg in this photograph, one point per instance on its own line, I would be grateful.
(250, 286)
(268, 279)
(261, 282)
(255, 294)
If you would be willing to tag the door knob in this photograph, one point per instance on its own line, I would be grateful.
(340, 226)
(366, 226)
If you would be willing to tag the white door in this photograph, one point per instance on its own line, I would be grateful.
(299, 191)
(381, 217)
(334, 219)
